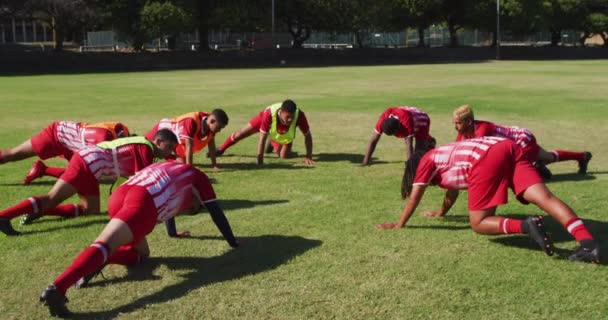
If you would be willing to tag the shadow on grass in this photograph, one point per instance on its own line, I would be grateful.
(560, 177)
(253, 166)
(235, 204)
(597, 228)
(103, 219)
(354, 158)
(256, 255)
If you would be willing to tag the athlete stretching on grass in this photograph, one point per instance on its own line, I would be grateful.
(468, 127)
(114, 159)
(487, 167)
(155, 194)
(401, 122)
(61, 139)
(195, 130)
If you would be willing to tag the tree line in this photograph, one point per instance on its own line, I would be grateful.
(138, 21)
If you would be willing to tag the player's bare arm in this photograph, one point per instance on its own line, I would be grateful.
(408, 210)
(370, 148)
(448, 201)
(308, 143)
(261, 145)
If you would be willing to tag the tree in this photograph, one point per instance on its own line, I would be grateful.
(596, 21)
(559, 15)
(454, 13)
(125, 18)
(163, 19)
(419, 14)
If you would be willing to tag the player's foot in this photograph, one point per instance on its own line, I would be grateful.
(588, 251)
(51, 298)
(582, 165)
(84, 281)
(29, 218)
(218, 152)
(36, 172)
(542, 170)
(7, 228)
(535, 228)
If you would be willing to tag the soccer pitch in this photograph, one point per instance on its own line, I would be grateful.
(309, 247)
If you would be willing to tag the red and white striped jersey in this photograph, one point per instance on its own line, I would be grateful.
(449, 165)
(521, 136)
(75, 136)
(172, 185)
(413, 122)
(126, 160)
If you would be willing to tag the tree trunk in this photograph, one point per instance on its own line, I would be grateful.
(203, 8)
(556, 36)
(421, 43)
(604, 36)
(583, 37)
(494, 39)
(453, 36)
(359, 39)
(58, 34)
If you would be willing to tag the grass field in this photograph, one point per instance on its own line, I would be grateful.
(310, 250)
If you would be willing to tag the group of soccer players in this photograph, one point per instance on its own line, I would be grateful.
(486, 160)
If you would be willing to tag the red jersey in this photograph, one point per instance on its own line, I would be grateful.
(449, 165)
(74, 136)
(521, 136)
(412, 121)
(184, 129)
(264, 120)
(128, 159)
(172, 185)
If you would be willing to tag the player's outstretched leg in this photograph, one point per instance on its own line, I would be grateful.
(243, 133)
(20, 152)
(588, 250)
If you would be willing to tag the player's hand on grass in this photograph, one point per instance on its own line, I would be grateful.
(309, 161)
(432, 214)
(183, 234)
(386, 225)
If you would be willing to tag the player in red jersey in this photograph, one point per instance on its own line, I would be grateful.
(401, 122)
(195, 130)
(467, 127)
(61, 139)
(153, 195)
(279, 122)
(487, 167)
(120, 158)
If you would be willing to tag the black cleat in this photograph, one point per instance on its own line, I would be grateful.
(218, 153)
(29, 218)
(588, 252)
(542, 170)
(51, 298)
(269, 148)
(582, 165)
(535, 228)
(84, 281)
(7, 228)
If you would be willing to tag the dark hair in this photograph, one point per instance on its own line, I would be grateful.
(390, 126)
(289, 106)
(409, 173)
(166, 135)
(221, 116)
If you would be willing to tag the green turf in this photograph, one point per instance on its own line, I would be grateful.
(310, 250)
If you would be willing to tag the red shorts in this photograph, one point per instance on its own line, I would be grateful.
(80, 177)
(134, 206)
(504, 166)
(531, 151)
(256, 122)
(46, 146)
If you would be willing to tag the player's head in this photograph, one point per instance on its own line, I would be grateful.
(409, 173)
(121, 130)
(390, 126)
(463, 118)
(217, 120)
(287, 112)
(165, 141)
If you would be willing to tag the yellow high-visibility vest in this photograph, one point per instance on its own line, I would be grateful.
(287, 137)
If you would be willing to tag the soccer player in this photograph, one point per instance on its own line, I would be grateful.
(61, 138)
(401, 122)
(467, 127)
(487, 167)
(279, 121)
(114, 159)
(155, 194)
(195, 130)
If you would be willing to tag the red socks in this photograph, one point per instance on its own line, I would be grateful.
(510, 226)
(88, 261)
(28, 206)
(562, 155)
(54, 172)
(578, 230)
(66, 210)
(228, 143)
(125, 255)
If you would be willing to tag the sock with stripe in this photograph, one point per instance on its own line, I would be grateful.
(66, 211)
(54, 172)
(511, 226)
(88, 261)
(562, 155)
(577, 229)
(228, 143)
(30, 205)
